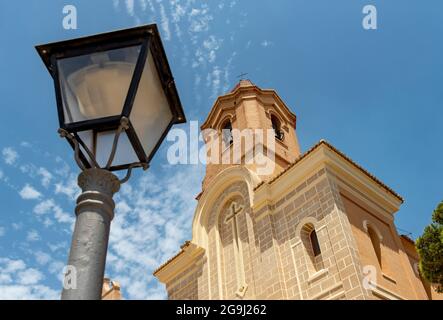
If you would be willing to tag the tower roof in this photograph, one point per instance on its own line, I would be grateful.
(243, 83)
(245, 86)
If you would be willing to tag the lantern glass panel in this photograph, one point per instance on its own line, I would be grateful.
(151, 114)
(95, 85)
(101, 143)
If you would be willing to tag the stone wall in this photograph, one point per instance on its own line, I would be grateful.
(277, 259)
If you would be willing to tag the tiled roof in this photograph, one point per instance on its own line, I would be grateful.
(407, 238)
(182, 250)
(242, 83)
(345, 157)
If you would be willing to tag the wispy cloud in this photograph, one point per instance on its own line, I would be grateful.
(130, 7)
(45, 175)
(165, 23)
(116, 4)
(214, 80)
(33, 235)
(200, 19)
(10, 156)
(152, 220)
(212, 45)
(42, 258)
(266, 43)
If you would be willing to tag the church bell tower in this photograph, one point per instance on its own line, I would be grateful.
(249, 111)
(310, 228)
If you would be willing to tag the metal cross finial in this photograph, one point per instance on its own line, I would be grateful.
(242, 76)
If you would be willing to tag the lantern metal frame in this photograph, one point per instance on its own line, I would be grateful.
(148, 38)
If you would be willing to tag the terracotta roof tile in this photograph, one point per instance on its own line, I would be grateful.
(182, 250)
(345, 157)
(407, 238)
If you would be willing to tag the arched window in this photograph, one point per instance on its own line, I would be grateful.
(227, 133)
(277, 127)
(375, 239)
(314, 243)
(311, 244)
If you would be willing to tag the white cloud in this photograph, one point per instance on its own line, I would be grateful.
(214, 80)
(26, 292)
(212, 56)
(57, 246)
(68, 187)
(64, 170)
(44, 207)
(56, 268)
(130, 7)
(29, 193)
(165, 23)
(62, 216)
(33, 235)
(42, 257)
(266, 43)
(28, 169)
(122, 208)
(29, 276)
(49, 206)
(17, 282)
(227, 70)
(11, 266)
(17, 226)
(212, 45)
(199, 20)
(197, 80)
(10, 156)
(2, 231)
(178, 11)
(143, 4)
(45, 175)
(25, 144)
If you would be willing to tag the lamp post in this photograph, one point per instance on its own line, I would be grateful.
(116, 101)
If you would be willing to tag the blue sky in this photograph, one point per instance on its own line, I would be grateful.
(374, 94)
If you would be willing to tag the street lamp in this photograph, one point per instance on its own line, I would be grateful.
(116, 101)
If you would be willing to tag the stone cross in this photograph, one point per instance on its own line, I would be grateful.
(235, 210)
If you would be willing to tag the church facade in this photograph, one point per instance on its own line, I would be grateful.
(319, 226)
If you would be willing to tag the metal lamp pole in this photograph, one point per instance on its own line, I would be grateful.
(94, 211)
(113, 84)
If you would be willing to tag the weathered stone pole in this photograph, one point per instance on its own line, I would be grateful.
(87, 257)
